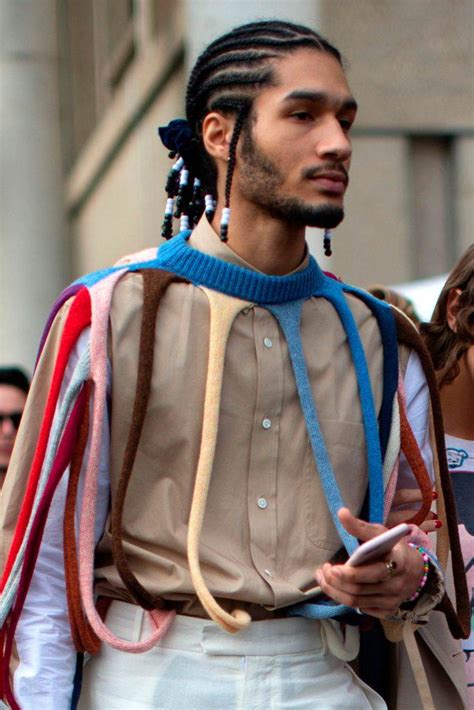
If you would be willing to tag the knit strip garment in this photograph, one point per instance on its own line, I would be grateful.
(391, 461)
(459, 619)
(82, 635)
(80, 375)
(78, 319)
(101, 295)
(388, 335)
(34, 540)
(155, 283)
(229, 289)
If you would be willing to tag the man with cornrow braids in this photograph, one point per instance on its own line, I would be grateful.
(214, 427)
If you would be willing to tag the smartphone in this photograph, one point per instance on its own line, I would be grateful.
(378, 546)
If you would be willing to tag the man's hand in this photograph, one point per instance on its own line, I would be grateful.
(372, 587)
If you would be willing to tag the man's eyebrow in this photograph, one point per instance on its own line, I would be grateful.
(320, 97)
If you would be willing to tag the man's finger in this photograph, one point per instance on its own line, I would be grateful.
(357, 527)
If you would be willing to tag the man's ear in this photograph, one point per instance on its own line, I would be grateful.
(452, 307)
(216, 135)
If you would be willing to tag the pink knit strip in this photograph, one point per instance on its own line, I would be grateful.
(101, 296)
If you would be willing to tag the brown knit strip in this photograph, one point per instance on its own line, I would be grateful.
(413, 455)
(83, 636)
(155, 283)
(459, 623)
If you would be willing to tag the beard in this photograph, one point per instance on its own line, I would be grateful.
(261, 182)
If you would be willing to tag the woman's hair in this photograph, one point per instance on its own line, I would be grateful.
(396, 299)
(447, 346)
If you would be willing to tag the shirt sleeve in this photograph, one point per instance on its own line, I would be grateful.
(44, 677)
(418, 412)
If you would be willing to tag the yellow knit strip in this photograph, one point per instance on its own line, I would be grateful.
(223, 311)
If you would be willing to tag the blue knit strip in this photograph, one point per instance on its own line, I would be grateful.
(335, 295)
(289, 316)
(311, 610)
(203, 270)
(388, 333)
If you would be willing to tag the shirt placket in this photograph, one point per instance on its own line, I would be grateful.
(262, 490)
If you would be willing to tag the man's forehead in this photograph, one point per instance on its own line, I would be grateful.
(310, 70)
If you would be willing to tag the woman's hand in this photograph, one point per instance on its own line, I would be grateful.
(412, 498)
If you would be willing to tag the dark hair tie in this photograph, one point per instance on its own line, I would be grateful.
(178, 137)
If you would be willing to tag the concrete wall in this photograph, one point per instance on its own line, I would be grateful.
(125, 211)
(410, 66)
(33, 236)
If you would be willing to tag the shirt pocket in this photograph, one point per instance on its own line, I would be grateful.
(345, 443)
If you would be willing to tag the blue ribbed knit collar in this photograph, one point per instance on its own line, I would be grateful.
(201, 269)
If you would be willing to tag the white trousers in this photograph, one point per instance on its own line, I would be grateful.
(282, 664)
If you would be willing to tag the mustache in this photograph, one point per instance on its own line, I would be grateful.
(314, 172)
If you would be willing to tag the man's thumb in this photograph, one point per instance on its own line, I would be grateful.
(357, 527)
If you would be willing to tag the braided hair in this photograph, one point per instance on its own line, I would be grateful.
(227, 77)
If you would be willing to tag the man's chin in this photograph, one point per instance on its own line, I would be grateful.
(325, 216)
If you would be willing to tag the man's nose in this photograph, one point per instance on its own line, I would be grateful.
(334, 142)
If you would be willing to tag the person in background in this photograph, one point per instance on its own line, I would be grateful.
(449, 338)
(14, 386)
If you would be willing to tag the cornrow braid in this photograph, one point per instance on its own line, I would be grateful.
(239, 123)
(226, 78)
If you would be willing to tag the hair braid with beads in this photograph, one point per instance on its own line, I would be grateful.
(227, 77)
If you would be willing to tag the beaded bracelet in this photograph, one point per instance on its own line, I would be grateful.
(426, 569)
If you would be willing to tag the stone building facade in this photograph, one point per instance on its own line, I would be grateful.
(85, 83)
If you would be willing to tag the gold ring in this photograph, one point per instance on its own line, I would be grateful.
(391, 566)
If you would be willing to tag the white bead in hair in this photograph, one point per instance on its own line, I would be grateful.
(169, 206)
(225, 218)
(178, 165)
(183, 177)
(210, 205)
(184, 223)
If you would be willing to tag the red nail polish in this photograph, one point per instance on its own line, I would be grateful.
(438, 523)
(435, 495)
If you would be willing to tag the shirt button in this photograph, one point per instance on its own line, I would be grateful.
(268, 573)
(267, 423)
(268, 342)
(262, 503)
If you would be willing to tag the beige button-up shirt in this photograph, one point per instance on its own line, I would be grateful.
(267, 526)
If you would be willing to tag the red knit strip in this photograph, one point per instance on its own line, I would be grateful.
(60, 464)
(79, 317)
(413, 455)
(83, 636)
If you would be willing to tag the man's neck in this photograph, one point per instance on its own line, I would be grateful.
(457, 401)
(270, 245)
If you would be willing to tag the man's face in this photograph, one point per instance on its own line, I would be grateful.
(295, 153)
(12, 403)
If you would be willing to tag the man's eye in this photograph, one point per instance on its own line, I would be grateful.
(345, 124)
(301, 115)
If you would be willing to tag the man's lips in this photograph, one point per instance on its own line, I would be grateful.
(335, 182)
